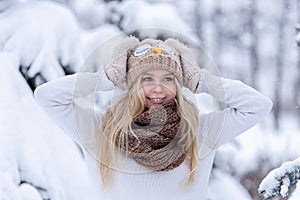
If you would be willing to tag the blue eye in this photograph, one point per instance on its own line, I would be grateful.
(147, 78)
(168, 79)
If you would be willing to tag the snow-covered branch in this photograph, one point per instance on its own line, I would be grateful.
(281, 181)
(43, 36)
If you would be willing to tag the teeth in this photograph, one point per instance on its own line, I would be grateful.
(156, 99)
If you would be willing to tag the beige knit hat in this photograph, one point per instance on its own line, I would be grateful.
(152, 54)
(132, 58)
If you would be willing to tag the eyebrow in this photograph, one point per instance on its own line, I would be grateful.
(149, 74)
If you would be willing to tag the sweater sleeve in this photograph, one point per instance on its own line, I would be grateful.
(244, 108)
(63, 98)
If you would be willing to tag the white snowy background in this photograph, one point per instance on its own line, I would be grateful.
(43, 40)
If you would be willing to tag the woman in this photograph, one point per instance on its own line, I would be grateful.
(152, 142)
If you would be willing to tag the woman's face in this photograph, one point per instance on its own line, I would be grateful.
(158, 86)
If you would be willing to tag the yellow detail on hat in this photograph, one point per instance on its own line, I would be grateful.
(157, 50)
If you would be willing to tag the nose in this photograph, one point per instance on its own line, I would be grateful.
(157, 88)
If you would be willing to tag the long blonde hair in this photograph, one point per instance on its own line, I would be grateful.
(117, 123)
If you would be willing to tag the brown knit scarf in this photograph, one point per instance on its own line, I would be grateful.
(157, 142)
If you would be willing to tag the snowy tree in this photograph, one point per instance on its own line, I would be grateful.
(281, 181)
(43, 40)
(37, 161)
(44, 48)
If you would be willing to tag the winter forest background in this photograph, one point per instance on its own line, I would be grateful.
(254, 41)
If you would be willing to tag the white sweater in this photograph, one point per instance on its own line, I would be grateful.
(68, 102)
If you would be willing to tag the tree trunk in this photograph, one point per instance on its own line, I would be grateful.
(279, 63)
(254, 60)
(217, 18)
(297, 83)
(198, 19)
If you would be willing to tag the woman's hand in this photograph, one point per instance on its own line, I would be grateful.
(116, 70)
(190, 68)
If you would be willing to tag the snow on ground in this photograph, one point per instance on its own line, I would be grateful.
(224, 186)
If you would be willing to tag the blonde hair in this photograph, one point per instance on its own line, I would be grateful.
(117, 123)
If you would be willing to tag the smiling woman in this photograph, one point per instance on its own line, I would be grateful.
(157, 110)
(158, 86)
(152, 143)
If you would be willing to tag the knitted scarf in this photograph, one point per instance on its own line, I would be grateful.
(157, 142)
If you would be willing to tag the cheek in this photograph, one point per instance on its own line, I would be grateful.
(171, 91)
(146, 89)
(172, 95)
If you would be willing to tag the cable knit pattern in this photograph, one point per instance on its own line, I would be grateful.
(156, 136)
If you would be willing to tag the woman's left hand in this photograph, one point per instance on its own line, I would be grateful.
(190, 68)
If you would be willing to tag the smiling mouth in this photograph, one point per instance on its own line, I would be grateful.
(156, 100)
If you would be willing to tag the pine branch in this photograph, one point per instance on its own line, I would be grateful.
(281, 181)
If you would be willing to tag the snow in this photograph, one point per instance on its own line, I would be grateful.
(28, 192)
(296, 193)
(280, 179)
(89, 12)
(227, 187)
(38, 161)
(92, 38)
(262, 140)
(34, 35)
(33, 149)
(285, 187)
(140, 14)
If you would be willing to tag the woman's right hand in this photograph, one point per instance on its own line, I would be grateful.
(117, 68)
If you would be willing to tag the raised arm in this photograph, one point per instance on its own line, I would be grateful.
(245, 107)
(63, 97)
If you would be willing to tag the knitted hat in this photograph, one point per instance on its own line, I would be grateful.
(152, 54)
(132, 58)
